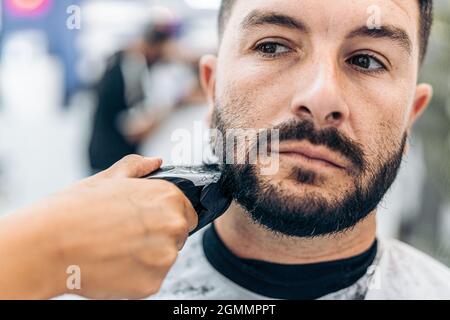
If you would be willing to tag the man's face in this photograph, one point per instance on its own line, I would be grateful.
(157, 51)
(338, 78)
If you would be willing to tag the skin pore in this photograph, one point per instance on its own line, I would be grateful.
(284, 60)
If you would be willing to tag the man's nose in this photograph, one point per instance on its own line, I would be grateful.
(320, 98)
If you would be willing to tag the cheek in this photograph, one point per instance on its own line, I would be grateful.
(255, 96)
(379, 118)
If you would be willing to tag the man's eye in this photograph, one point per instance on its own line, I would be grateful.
(272, 49)
(367, 63)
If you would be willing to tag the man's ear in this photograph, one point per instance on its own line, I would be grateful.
(422, 98)
(208, 66)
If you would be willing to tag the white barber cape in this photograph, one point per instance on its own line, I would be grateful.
(398, 272)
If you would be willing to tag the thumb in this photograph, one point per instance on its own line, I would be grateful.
(133, 166)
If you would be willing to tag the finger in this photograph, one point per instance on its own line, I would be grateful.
(178, 204)
(191, 215)
(181, 242)
(183, 206)
(181, 203)
(133, 166)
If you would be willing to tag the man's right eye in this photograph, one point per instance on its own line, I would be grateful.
(272, 49)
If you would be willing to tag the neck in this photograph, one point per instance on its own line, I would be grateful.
(248, 240)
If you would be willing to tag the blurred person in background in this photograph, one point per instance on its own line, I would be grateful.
(123, 117)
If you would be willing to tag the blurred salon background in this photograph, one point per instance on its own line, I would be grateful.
(84, 82)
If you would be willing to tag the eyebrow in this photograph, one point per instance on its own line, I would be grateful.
(390, 32)
(258, 18)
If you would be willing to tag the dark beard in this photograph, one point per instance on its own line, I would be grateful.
(313, 215)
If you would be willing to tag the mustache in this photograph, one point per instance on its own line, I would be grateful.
(328, 137)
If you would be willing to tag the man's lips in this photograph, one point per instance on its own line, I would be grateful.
(312, 153)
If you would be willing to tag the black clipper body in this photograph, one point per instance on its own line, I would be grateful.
(201, 185)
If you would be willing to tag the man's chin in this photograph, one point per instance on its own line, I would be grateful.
(296, 194)
(297, 182)
(299, 205)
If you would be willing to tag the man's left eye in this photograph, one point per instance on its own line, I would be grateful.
(366, 62)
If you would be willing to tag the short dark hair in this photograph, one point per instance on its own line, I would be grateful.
(156, 34)
(426, 21)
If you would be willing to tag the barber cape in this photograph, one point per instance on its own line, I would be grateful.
(398, 271)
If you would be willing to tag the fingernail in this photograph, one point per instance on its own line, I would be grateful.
(156, 159)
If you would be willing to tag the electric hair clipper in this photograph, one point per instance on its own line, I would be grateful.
(201, 185)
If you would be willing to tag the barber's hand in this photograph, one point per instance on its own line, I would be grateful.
(122, 232)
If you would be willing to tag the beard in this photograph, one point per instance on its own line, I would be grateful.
(311, 214)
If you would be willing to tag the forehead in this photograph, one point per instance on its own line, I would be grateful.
(333, 16)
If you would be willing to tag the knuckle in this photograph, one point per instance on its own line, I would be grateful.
(146, 288)
(172, 256)
(172, 191)
(152, 287)
(177, 226)
(132, 158)
(171, 259)
(167, 259)
(167, 187)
